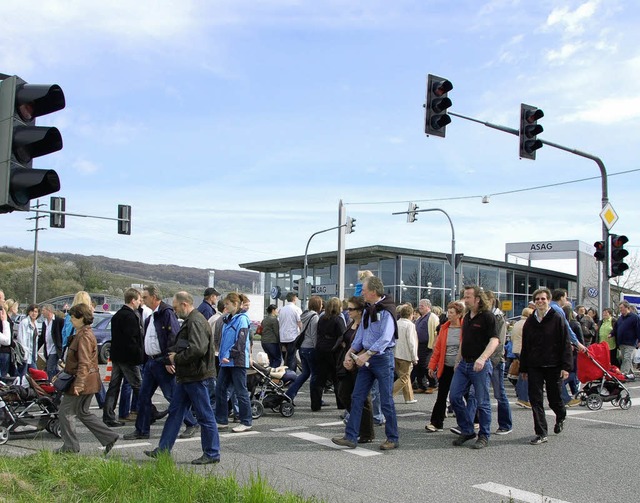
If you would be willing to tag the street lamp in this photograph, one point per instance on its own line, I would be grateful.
(452, 261)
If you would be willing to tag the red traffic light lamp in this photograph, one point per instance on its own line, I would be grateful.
(600, 251)
(618, 254)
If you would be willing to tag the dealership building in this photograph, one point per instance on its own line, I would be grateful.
(409, 275)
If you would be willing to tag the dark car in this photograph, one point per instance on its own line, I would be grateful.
(102, 330)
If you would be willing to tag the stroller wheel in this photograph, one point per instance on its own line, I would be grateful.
(287, 409)
(582, 396)
(257, 409)
(4, 435)
(53, 427)
(594, 401)
(625, 403)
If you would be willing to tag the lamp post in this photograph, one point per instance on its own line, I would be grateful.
(453, 244)
(305, 270)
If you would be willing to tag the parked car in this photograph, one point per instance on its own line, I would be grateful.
(102, 330)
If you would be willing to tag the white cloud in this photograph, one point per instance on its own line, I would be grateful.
(573, 23)
(85, 167)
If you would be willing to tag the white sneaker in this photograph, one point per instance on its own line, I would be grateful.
(411, 401)
(241, 428)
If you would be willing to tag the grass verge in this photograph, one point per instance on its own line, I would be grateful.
(46, 477)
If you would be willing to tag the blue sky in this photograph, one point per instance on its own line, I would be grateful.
(233, 128)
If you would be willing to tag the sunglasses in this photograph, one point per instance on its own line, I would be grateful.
(540, 299)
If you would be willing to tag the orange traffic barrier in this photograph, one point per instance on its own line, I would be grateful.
(107, 376)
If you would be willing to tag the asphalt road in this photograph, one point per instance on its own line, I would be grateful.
(593, 460)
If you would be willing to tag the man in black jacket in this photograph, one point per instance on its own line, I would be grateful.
(192, 358)
(545, 360)
(51, 338)
(126, 353)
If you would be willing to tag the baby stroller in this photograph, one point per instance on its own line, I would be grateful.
(603, 381)
(28, 409)
(266, 389)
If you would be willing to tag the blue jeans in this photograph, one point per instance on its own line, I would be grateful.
(308, 360)
(237, 378)
(290, 361)
(125, 405)
(52, 365)
(273, 352)
(463, 378)
(376, 406)
(5, 363)
(155, 375)
(381, 369)
(504, 409)
(186, 396)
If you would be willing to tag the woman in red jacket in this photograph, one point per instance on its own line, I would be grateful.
(443, 361)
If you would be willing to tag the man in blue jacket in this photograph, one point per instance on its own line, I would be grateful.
(627, 334)
(160, 331)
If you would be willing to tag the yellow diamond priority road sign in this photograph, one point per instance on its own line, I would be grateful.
(608, 216)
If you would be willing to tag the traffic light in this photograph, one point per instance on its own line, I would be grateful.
(529, 130)
(436, 118)
(21, 141)
(618, 254)
(411, 214)
(600, 251)
(56, 220)
(124, 219)
(296, 285)
(351, 224)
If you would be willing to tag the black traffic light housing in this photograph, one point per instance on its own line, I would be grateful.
(56, 220)
(351, 225)
(618, 254)
(21, 141)
(124, 219)
(436, 117)
(529, 130)
(600, 253)
(411, 213)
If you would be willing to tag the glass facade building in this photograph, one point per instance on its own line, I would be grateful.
(410, 275)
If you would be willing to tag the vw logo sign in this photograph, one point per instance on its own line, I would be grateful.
(592, 292)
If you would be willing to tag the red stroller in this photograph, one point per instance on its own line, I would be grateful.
(603, 381)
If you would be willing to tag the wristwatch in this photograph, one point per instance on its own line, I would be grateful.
(371, 353)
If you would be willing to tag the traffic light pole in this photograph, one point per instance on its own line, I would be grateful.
(305, 270)
(604, 297)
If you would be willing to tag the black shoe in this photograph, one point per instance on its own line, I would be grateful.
(152, 454)
(135, 435)
(463, 438)
(64, 450)
(365, 440)
(190, 431)
(537, 440)
(160, 415)
(109, 446)
(205, 460)
(112, 423)
(481, 443)
(557, 429)
(344, 442)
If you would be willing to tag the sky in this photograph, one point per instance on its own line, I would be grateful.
(235, 127)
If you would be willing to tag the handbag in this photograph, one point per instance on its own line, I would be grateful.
(63, 381)
(514, 369)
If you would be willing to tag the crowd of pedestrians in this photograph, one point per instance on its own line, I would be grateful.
(364, 350)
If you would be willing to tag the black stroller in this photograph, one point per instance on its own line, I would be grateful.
(28, 409)
(266, 389)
